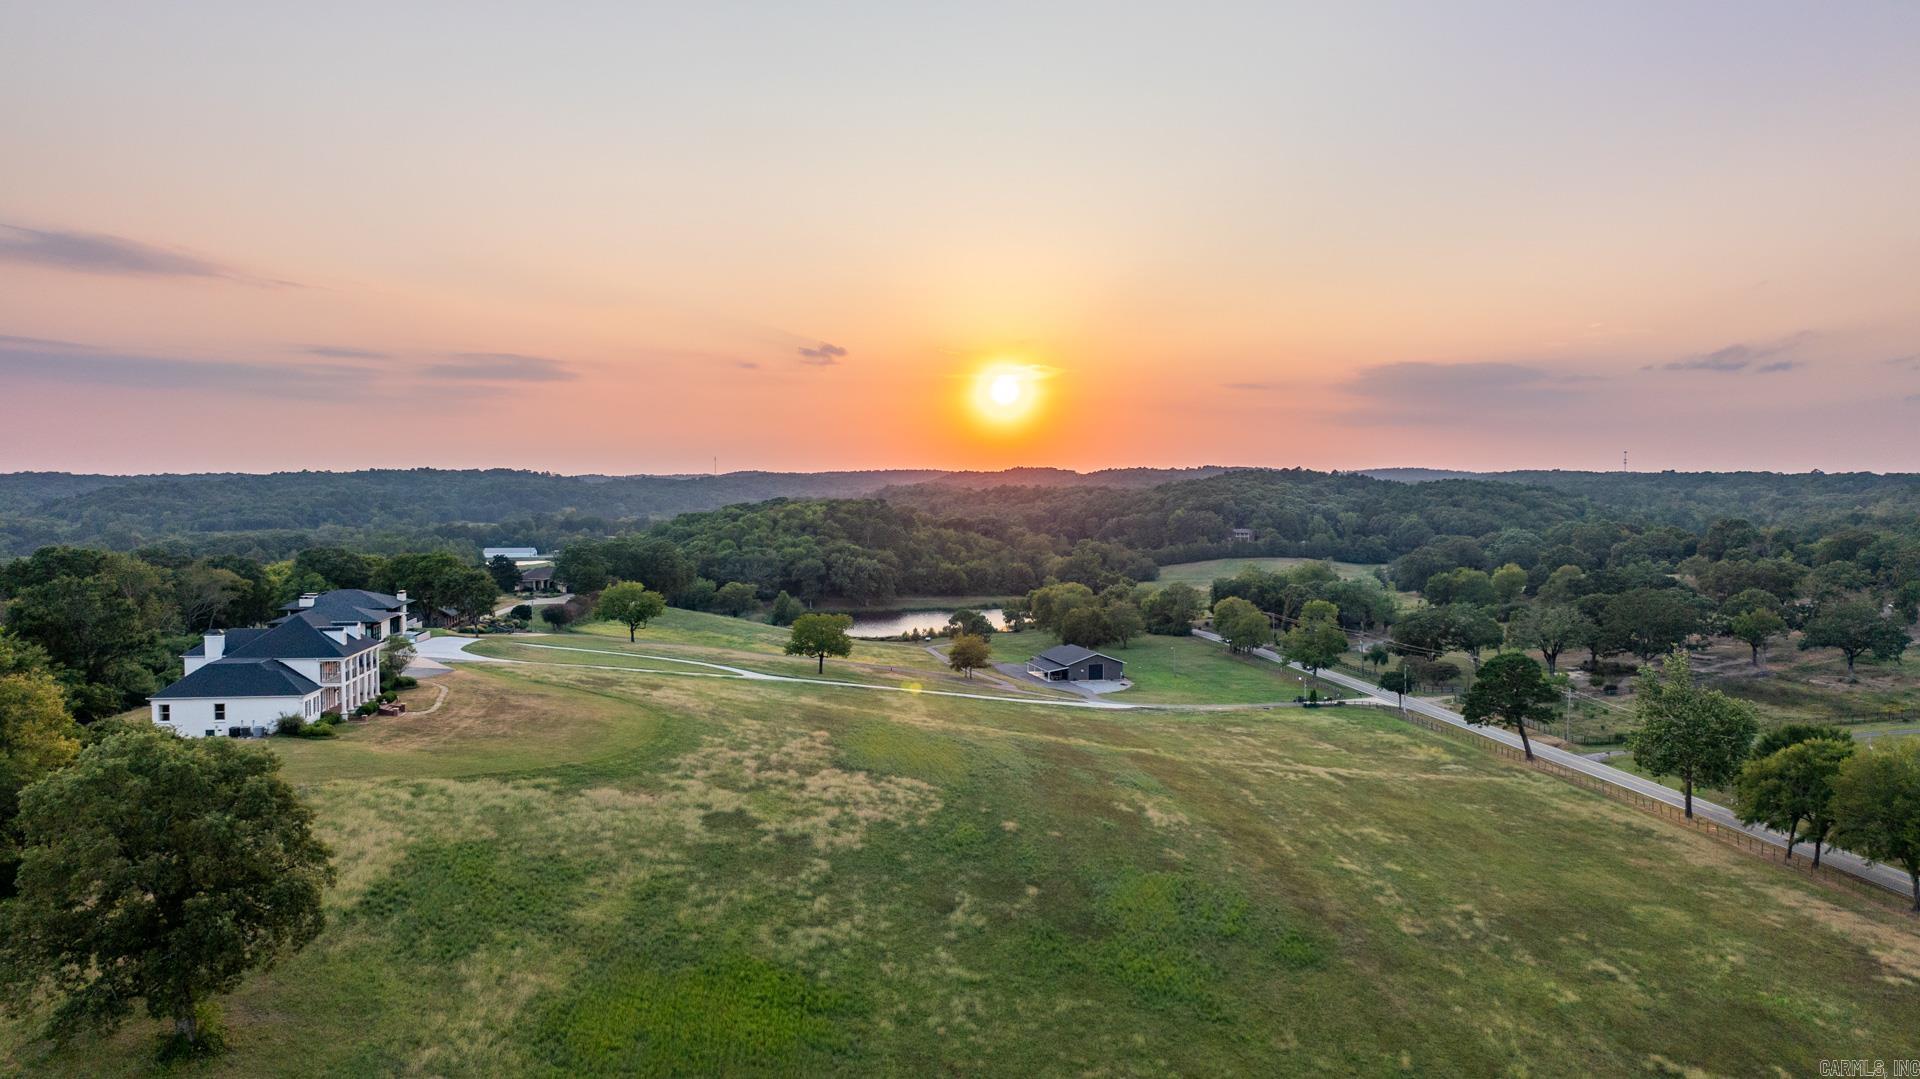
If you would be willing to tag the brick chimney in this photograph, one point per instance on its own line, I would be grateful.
(307, 598)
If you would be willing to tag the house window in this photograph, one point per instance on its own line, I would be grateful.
(211, 733)
(220, 713)
(166, 713)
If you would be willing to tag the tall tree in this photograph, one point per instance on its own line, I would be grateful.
(470, 592)
(1172, 609)
(1650, 621)
(1775, 739)
(504, 571)
(785, 610)
(967, 622)
(1124, 621)
(1508, 582)
(337, 566)
(1876, 805)
(1756, 628)
(1317, 641)
(969, 653)
(820, 636)
(1473, 629)
(395, 655)
(633, 605)
(158, 870)
(1551, 628)
(1699, 735)
(1856, 627)
(734, 598)
(1398, 683)
(1511, 691)
(37, 736)
(1241, 623)
(1792, 787)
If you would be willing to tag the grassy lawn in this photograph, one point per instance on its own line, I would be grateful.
(1201, 574)
(759, 647)
(1812, 687)
(566, 871)
(1190, 670)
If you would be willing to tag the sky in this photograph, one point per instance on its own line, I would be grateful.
(620, 238)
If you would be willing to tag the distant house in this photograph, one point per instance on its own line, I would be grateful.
(1072, 663)
(239, 683)
(1240, 535)
(517, 554)
(537, 579)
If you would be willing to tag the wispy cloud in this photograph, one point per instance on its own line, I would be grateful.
(1253, 387)
(500, 367)
(97, 253)
(71, 363)
(821, 355)
(1742, 357)
(746, 365)
(343, 352)
(1420, 392)
(1911, 363)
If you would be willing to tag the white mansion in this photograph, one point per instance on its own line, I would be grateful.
(322, 656)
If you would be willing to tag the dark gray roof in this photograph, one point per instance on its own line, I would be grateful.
(1066, 655)
(298, 638)
(347, 605)
(235, 638)
(240, 678)
(537, 573)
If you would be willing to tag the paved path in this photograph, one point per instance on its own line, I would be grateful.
(1884, 875)
(531, 601)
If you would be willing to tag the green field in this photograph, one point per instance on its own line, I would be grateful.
(571, 871)
(1190, 670)
(1202, 574)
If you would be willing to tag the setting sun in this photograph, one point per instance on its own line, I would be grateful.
(1007, 393)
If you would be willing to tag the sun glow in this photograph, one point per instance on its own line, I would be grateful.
(1005, 393)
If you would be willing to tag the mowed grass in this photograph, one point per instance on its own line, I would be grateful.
(571, 871)
(1201, 575)
(699, 638)
(1192, 670)
(1165, 670)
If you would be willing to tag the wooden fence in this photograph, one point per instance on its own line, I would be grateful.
(1734, 837)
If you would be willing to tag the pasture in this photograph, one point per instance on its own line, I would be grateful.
(568, 870)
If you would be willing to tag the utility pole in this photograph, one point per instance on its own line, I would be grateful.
(1623, 461)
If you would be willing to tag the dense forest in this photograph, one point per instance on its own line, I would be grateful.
(1496, 562)
(272, 516)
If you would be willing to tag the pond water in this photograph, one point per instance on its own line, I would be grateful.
(894, 623)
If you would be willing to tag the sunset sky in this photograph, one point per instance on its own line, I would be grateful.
(632, 238)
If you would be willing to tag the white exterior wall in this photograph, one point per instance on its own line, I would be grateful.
(193, 717)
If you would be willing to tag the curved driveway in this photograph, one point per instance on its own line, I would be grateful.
(1889, 877)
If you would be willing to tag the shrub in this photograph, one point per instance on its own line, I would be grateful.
(367, 709)
(330, 716)
(289, 724)
(522, 612)
(405, 681)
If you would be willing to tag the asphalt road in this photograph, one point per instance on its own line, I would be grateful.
(1886, 876)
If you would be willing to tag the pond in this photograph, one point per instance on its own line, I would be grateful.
(874, 624)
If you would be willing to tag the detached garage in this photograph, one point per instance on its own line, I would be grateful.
(1072, 663)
